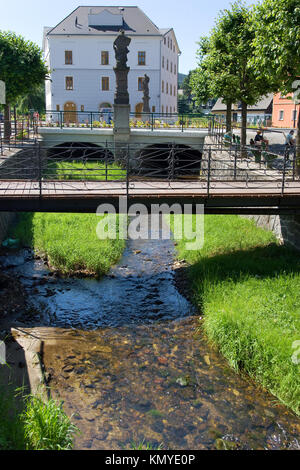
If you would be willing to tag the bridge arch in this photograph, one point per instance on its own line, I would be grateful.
(168, 160)
(84, 151)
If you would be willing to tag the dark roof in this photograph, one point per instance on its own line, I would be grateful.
(262, 105)
(135, 21)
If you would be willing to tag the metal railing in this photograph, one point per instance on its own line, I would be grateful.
(150, 121)
(144, 167)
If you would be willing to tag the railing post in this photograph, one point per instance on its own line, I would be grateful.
(106, 154)
(294, 162)
(39, 159)
(172, 163)
(91, 121)
(235, 163)
(283, 173)
(152, 121)
(208, 171)
(61, 119)
(127, 173)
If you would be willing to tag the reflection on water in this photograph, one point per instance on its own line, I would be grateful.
(143, 371)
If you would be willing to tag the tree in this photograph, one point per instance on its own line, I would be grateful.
(226, 58)
(21, 68)
(277, 46)
(34, 100)
(212, 78)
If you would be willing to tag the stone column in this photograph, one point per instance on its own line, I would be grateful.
(121, 101)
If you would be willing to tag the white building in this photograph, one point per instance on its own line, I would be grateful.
(79, 53)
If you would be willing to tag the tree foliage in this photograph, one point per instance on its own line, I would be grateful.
(21, 66)
(276, 26)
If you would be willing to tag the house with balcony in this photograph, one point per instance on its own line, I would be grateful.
(80, 56)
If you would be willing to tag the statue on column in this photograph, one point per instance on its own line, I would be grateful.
(121, 70)
(146, 97)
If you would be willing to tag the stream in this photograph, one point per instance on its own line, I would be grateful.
(127, 356)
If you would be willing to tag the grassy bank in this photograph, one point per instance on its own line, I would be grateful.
(69, 241)
(248, 288)
(33, 426)
(85, 171)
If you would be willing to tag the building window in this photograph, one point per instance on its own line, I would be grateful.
(162, 86)
(105, 83)
(153, 109)
(162, 108)
(141, 58)
(175, 69)
(167, 109)
(69, 83)
(140, 83)
(294, 115)
(167, 64)
(167, 88)
(174, 90)
(104, 58)
(281, 115)
(169, 42)
(171, 67)
(163, 62)
(82, 108)
(170, 89)
(68, 57)
(165, 41)
(173, 48)
(57, 107)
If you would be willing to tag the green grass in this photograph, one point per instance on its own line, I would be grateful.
(248, 288)
(69, 241)
(87, 171)
(38, 426)
(46, 426)
(11, 425)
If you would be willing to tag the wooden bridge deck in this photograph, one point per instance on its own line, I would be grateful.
(85, 196)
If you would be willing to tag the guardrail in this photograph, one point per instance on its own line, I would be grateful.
(151, 121)
(137, 166)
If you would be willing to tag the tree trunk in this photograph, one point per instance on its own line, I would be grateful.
(7, 123)
(228, 116)
(297, 167)
(244, 127)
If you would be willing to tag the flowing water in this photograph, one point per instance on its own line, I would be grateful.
(127, 356)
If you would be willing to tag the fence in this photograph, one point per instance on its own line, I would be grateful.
(150, 121)
(147, 167)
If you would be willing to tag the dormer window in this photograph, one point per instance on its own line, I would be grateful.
(105, 19)
(68, 57)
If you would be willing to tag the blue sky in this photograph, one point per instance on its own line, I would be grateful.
(189, 18)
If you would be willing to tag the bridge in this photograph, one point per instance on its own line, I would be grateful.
(78, 176)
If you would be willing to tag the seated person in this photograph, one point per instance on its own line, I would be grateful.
(259, 139)
(228, 137)
(290, 140)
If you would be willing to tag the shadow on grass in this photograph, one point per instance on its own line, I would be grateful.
(23, 229)
(265, 262)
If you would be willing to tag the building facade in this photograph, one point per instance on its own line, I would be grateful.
(285, 111)
(80, 56)
(260, 113)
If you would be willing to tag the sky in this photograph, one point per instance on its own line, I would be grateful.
(189, 18)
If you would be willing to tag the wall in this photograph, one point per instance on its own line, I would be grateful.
(87, 71)
(6, 218)
(285, 227)
(286, 105)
